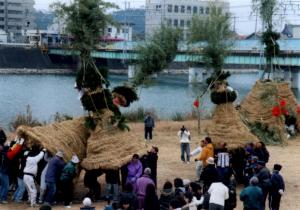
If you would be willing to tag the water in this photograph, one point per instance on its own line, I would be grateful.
(48, 94)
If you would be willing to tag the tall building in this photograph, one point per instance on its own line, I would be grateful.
(177, 13)
(15, 16)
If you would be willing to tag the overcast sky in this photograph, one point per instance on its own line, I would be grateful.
(245, 21)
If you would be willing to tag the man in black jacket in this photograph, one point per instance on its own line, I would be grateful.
(264, 176)
(277, 189)
(150, 161)
(209, 174)
(2, 137)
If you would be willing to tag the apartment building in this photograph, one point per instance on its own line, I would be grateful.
(15, 16)
(177, 13)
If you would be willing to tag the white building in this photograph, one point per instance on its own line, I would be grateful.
(123, 32)
(177, 13)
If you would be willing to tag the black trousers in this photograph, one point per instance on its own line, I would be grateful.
(274, 201)
(148, 132)
(67, 191)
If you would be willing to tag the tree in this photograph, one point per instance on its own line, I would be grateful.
(267, 10)
(85, 22)
(156, 53)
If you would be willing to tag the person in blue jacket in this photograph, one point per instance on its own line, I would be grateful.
(277, 188)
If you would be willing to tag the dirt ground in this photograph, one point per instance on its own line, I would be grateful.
(170, 166)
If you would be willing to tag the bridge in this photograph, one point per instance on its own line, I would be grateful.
(244, 53)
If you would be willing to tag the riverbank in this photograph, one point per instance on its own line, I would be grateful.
(170, 166)
(36, 71)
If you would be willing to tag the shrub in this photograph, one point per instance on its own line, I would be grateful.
(61, 117)
(137, 115)
(178, 117)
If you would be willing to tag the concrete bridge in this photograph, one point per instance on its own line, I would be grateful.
(244, 54)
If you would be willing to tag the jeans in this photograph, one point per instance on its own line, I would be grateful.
(185, 148)
(112, 189)
(199, 166)
(148, 133)
(18, 195)
(4, 185)
(50, 193)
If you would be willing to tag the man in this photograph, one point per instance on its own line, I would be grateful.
(277, 189)
(149, 125)
(53, 173)
(209, 174)
(68, 174)
(223, 164)
(2, 137)
(141, 186)
(252, 196)
(150, 161)
(218, 194)
(184, 136)
(112, 179)
(199, 164)
(264, 176)
(207, 152)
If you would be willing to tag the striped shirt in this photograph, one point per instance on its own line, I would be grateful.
(223, 159)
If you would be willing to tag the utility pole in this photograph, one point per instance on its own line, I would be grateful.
(234, 23)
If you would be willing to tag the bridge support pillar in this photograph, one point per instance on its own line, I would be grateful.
(195, 75)
(288, 76)
(295, 80)
(131, 71)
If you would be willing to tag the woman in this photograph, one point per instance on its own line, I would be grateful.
(135, 169)
(185, 137)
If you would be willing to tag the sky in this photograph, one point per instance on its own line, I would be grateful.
(242, 15)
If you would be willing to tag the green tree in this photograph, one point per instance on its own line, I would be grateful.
(156, 53)
(86, 21)
(267, 10)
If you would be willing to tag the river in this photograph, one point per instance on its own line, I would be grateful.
(48, 94)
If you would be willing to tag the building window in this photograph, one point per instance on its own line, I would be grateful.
(118, 30)
(14, 12)
(176, 9)
(201, 10)
(1, 3)
(188, 23)
(182, 9)
(125, 31)
(169, 22)
(158, 7)
(1, 11)
(170, 8)
(2, 19)
(207, 10)
(182, 23)
(109, 30)
(188, 9)
(176, 23)
(2, 27)
(195, 10)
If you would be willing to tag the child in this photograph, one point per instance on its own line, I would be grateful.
(87, 204)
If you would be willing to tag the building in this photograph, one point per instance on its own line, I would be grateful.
(123, 32)
(177, 13)
(291, 31)
(15, 16)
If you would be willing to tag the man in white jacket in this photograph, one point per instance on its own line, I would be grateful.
(30, 172)
(185, 137)
(218, 194)
(199, 164)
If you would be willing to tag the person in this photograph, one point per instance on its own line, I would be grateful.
(218, 194)
(112, 179)
(209, 174)
(278, 188)
(261, 152)
(252, 196)
(151, 200)
(166, 196)
(128, 198)
(290, 125)
(196, 189)
(47, 158)
(69, 172)
(207, 152)
(30, 172)
(141, 186)
(2, 137)
(264, 176)
(185, 137)
(223, 163)
(53, 173)
(176, 204)
(199, 165)
(6, 155)
(90, 181)
(87, 204)
(150, 161)
(231, 202)
(135, 170)
(45, 207)
(110, 205)
(179, 187)
(191, 202)
(18, 195)
(149, 125)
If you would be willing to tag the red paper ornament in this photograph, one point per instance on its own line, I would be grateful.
(283, 103)
(196, 103)
(276, 111)
(285, 112)
(298, 109)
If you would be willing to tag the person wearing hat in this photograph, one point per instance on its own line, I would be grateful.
(141, 186)
(277, 189)
(252, 196)
(87, 204)
(68, 174)
(264, 176)
(210, 174)
(30, 172)
(55, 167)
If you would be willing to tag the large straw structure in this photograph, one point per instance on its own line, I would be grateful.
(228, 127)
(111, 148)
(69, 136)
(254, 109)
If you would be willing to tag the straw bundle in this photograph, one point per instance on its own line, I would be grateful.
(111, 148)
(255, 109)
(228, 127)
(69, 136)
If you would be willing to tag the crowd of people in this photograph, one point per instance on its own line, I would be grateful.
(134, 186)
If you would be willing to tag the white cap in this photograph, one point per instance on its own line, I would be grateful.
(60, 154)
(87, 202)
(210, 161)
(75, 159)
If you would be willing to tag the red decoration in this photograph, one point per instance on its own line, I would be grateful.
(298, 109)
(116, 101)
(283, 103)
(276, 111)
(196, 103)
(285, 112)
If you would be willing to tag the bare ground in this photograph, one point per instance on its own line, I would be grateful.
(170, 166)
